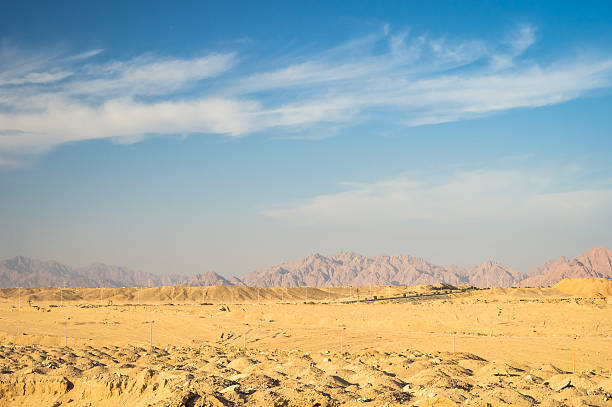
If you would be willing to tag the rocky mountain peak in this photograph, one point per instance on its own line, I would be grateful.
(597, 258)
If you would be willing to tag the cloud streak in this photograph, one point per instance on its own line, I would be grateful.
(148, 75)
(50, 99)
(479, 195)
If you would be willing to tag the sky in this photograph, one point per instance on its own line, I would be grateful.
(182, 137)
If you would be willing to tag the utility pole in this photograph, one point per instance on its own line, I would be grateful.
(19, 304)
(573, 357)
(67, 331)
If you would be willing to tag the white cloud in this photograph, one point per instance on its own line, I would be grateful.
(84, 55)
(149, 75)
(18, 67)
(522, 39)
(49, 98)
(35, 78)
(517, 44)
(65, 122)
(482, 195)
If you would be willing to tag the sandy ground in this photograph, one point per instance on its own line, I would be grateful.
(304, 346)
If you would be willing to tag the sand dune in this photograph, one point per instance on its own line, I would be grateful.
(586, 287)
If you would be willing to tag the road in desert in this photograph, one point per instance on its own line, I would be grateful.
(201, 346)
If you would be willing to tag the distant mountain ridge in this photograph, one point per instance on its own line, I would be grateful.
(596, 263)
(21, 271)
(349, 268)
(341, 269)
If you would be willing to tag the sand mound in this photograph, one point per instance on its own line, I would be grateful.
(513, 292)
(211, 294)
(177, 294)
(586, 287)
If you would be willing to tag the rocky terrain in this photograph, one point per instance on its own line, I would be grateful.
(301, 346)
(222, 376)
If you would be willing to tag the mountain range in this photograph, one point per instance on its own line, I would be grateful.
(25, 272)
(341, 269)
(349, 268)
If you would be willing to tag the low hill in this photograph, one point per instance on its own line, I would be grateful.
(586, 287)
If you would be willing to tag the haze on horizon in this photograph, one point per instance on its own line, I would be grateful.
(207, 136)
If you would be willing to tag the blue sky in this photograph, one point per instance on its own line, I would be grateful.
(183, 138)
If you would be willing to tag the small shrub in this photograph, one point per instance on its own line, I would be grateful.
(376, 297)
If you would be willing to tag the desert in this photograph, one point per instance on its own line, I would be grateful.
(306, 346)
(305, 203)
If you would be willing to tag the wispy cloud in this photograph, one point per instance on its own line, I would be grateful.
(479, 195)
(148, 75)
(84, 55)
(516, 45)
(35, 78)
(51, 98)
